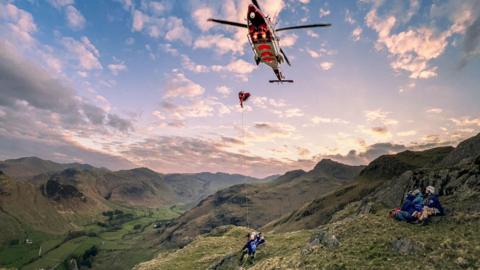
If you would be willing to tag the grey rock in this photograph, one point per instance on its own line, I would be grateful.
(325, 239)
(405, 246)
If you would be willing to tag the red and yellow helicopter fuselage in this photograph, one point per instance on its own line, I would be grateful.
(263, 40)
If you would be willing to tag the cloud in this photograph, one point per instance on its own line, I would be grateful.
(223, 90)
(61, 3)
(378, 133)
(412, 50)
(268, 130)
(323, 120)
(155, 25)
(56, 148)
(380, 116)
(288, 40)
(324, 12)
(272, 7)
(117, 68)
(178, 85)
(407, 133)
(29, 88)
(372, 152)
(313, 34)
(380, 130)
(197, 108)
(157, 8)
(219, 43)
(176, 31)
(170, 154)
(84, 51)
(139, 20)
(288, 113)
(349, 18)
(323, 51)
(192, 66)
(466, 121)
(434, 110)
(201, 15)
(326, 65)
(313, 53)
(20, 23)
(471, 43)
(265, 102)
(357, 33)
(238, 66)
(74, 18)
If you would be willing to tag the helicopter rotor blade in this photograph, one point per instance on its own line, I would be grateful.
(304, 26)
(236, 24)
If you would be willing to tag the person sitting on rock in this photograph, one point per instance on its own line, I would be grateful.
(405, 212)
(417, 204)
(432, 205)
(249, 248)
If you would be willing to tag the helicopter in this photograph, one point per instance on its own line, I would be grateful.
(263, 39)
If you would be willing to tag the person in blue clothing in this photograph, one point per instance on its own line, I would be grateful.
(417, 204)
(411, 207)
(407, 209)
(254, 240)
(432, 205)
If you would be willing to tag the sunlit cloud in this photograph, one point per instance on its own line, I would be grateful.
(434, 110)
(412, 50)
(178, 85)
(324, 12)
(84, 51)
(326, 65)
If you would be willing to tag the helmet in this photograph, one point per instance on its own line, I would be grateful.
(252, 15)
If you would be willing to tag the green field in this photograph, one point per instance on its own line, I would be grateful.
(130, 232)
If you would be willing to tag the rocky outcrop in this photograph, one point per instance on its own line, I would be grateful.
(467, 150)
(56, 191)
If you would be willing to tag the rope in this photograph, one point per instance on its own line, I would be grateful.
(243, 162)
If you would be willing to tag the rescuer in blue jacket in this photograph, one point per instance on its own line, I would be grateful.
(253, 241)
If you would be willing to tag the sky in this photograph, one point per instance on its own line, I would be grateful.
(124, 83)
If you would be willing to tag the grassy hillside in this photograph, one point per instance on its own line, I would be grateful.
(367, 241)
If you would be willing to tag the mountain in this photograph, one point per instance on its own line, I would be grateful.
(32, 166)
(193, 187)
(255, 205)
(348, 228)
(388, 166)
(136, 187)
